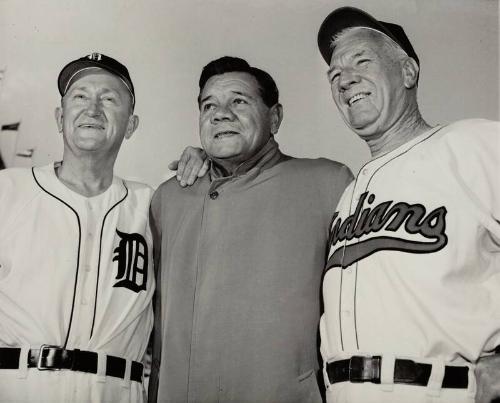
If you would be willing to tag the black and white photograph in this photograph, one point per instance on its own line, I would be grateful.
(250, 201)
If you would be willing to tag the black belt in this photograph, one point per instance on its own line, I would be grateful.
(55, 358)
(367, 369)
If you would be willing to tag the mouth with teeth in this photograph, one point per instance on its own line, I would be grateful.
(225, 134)
(357, 97)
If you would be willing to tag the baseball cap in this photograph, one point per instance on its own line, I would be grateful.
(71, 70)
(348, 17)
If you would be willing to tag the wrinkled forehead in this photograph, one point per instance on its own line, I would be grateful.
(235, 81)
(99, 79)
(355, 39)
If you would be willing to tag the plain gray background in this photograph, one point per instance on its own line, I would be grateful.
(165, 44)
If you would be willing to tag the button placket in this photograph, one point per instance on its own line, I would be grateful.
(348, 327)
(214, 191)
(87, 276)
(348, 296)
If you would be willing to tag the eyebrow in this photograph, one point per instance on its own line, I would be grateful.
(204, 99)
(242, 93)
(234, 92)
(357, 54)
(86, 88)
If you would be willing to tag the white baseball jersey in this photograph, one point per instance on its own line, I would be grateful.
(76, 272)
(414, 265)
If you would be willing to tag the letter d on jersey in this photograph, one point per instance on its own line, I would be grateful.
(132, 257)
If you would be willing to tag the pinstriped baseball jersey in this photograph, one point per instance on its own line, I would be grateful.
(414, 264)
(74, 272)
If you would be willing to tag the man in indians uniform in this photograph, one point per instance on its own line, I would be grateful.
(76, 278)
(412, 284)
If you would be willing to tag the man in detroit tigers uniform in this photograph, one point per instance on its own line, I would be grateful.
(76, 278)
(412, 284)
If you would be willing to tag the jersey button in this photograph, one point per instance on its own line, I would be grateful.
(214, 195)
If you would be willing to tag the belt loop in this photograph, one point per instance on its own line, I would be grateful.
(435, 384)
(101, 366)
(472, 386)
(23, 361)
(126, 376)
(326, 378)
(387, 365)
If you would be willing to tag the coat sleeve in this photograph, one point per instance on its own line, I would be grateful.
(156, 340)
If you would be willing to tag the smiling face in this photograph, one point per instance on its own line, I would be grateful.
(367, 83)
(96, 114)
(234, 121)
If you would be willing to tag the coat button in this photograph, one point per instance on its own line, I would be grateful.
(214, 195)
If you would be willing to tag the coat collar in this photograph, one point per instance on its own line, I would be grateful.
(267, 157)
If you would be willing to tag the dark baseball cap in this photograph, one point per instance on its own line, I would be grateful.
(71, 70)
(349, 17)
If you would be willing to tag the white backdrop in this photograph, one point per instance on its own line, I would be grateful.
(165, 44)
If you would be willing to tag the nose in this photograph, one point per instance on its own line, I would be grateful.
(222, 114)
(94, 107)
(347, 78)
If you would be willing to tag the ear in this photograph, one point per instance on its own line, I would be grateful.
(410, 72)
(133, 122)
(276, 112)
(58, 114)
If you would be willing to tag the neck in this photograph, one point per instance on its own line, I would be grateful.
(86, 176)
(409, 126)
(228, 167)
(268, 156)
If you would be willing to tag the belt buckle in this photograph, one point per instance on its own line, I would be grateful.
(364, 369)
(356, 369)
(45, 349)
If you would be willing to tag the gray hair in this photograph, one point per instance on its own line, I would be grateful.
(394, 49)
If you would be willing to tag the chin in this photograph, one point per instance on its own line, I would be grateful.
(366, 133)
(362, 124)
(88, 145)
(361, 128)
(224, 156)
(223, 153)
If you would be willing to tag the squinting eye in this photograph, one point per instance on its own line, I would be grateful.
(208, 107)
(239, 101)
(363, 62)
(332, 78)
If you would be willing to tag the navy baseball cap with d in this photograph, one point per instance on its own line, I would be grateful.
(350, 17)
(70, 72)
